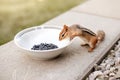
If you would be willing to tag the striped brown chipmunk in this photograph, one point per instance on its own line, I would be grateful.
(89, 37)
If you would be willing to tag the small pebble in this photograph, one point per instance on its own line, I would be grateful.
(117, 60)
(106, 72)
(112, 78)
(98, 73)
(112, 74)
(107, 67)
(112, 51)
(112, 69)
(103, 64)
(117, 54)
(92, 77)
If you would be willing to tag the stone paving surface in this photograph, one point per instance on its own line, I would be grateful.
(15, 65)
(105, 8)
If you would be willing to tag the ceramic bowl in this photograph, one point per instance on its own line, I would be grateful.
(26, 38)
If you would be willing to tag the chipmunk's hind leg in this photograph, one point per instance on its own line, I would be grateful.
(92, 44)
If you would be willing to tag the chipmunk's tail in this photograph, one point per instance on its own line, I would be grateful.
(100, 36)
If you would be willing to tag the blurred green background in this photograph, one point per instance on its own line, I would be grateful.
(16, 15)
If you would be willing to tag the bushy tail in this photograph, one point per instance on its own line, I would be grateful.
(100, 35)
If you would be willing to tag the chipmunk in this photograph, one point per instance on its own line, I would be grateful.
(89, 37)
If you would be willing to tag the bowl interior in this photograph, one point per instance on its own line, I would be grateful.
(36, 35)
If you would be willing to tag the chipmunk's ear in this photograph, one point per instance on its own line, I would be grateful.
(66, 27)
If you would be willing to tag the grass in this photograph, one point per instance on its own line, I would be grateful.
(16, 15)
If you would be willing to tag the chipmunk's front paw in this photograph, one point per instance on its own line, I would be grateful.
(71, 37)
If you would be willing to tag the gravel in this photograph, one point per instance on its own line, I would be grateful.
(44, 46)
(109, 68)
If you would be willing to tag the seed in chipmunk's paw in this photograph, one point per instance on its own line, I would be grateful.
(44, 46)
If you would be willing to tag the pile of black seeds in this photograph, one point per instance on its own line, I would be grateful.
(44, 46)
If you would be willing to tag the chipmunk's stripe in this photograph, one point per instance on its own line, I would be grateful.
(86, 30)
(90, 33)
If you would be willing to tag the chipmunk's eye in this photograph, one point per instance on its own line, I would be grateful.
(62, 35)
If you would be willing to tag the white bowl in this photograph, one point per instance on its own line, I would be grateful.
(26, 38)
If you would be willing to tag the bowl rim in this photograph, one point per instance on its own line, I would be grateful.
(22, 32)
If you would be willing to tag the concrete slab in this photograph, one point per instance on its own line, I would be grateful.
(106, 8)
(15, 65)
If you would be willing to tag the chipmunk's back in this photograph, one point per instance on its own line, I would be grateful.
(83, 29)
